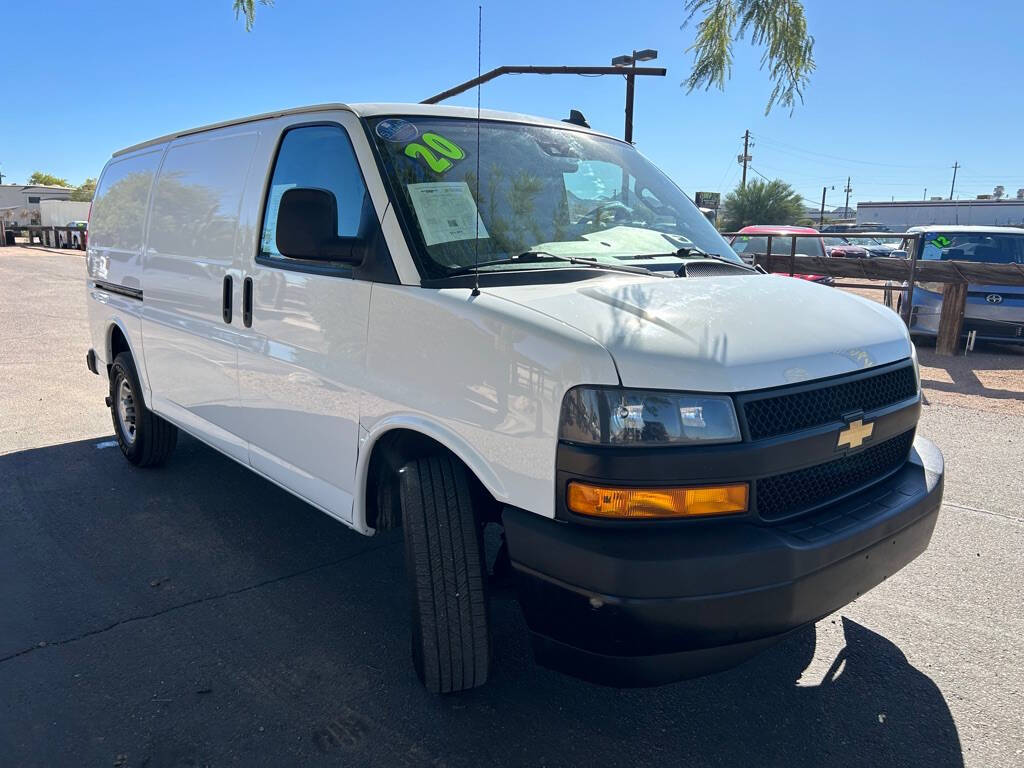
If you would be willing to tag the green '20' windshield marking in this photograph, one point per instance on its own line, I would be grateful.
(447, 148)
(942, 242)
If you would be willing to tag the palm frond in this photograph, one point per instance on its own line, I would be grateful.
(779, 26)
(247, 8)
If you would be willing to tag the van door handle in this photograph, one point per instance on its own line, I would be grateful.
(226, 305)
(247, 302)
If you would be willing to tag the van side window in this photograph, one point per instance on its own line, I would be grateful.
(119, 205)
(317, 156)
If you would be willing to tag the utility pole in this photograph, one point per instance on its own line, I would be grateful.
(746, 157)
(848, 190)
(953, 185)
(821, 216)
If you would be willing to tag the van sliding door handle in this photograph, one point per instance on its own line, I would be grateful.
(226, 299)
(247, 302)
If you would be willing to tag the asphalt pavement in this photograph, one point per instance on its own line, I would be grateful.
(198, 615)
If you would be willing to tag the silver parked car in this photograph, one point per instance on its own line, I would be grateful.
(996, 312)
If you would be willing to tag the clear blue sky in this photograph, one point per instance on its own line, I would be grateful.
(902, 90)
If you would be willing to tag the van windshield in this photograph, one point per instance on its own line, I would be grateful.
(541, 189)
(974, 246)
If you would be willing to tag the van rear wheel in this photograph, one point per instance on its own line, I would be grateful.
(444, 563)
(146, 440)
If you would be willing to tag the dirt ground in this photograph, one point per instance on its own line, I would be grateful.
(991, 378)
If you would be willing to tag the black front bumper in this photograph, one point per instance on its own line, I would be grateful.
(650, 605)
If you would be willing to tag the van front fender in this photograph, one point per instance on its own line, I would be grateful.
(439, 433)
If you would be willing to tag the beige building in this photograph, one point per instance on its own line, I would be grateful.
(19, 203)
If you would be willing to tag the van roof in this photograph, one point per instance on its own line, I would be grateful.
(371, 110)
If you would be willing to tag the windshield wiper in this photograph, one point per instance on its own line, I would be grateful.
(532, 256)
(689, 251)
(525, 257)
(693, 252)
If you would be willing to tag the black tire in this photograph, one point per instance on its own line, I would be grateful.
(444, 561)
(153, 439)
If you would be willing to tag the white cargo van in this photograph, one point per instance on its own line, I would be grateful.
(410, 318)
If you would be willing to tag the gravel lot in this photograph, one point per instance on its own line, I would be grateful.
(197, 615)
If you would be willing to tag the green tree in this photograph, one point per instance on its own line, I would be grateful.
(247, 8)
(47, 180)
(778, 26)
(83, 192)
(761, 202)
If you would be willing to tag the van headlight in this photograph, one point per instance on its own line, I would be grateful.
(612, 416)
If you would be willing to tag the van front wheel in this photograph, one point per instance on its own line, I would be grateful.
(444, 563)
(146, 440)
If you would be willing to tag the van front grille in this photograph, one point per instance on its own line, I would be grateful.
(783, 413)
(792, 493)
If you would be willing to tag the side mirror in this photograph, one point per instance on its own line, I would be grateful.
(898, 254)
(307, 228)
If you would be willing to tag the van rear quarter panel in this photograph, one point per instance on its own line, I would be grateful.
(480, 374)
(117, 229)
(191, 352)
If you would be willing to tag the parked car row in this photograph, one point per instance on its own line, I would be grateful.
(994, 312)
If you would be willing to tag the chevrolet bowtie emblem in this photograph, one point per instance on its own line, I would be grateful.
(854, 434)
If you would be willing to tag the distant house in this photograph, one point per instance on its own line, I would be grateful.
(19, 203)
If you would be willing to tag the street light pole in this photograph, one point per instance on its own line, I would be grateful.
(619, 64)
(630, 83)
(628, 63)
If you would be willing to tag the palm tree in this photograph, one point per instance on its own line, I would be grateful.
(762, 202)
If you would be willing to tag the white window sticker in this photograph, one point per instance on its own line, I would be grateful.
(446, 211)
(273, 204)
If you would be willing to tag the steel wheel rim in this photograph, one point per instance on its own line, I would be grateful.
(126, 411)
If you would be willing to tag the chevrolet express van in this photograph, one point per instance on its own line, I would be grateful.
(409, 317)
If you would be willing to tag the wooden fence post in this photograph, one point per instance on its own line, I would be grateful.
(951, 321)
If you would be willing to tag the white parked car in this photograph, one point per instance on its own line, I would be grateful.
(994, 312)
(406, 325)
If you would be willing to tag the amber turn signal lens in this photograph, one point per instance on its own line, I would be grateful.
(656, 503)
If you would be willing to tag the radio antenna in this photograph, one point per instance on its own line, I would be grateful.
(476, 242)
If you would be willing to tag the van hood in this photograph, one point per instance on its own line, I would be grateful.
(722, 334)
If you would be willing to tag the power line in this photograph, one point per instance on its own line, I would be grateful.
(771, 141)
(730, 167)
(805, 199)
(790, 147)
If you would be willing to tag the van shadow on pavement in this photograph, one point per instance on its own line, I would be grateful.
(197, 614)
